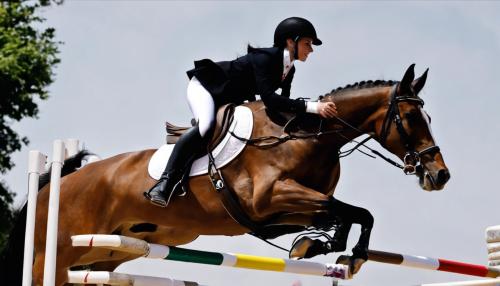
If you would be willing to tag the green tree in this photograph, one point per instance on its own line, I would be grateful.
(28, 55)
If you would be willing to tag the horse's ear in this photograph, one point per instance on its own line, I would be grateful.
(419, 83)
(405, 84)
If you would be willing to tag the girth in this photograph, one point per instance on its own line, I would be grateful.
(262, 229)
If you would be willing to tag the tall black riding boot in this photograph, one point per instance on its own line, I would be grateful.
(185, 150)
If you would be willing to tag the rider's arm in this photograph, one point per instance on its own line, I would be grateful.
(311, 106)
(262, 65)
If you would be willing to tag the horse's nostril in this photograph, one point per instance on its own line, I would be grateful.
(443, 176)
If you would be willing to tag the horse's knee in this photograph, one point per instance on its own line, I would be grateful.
(351, 214)
(367, 219)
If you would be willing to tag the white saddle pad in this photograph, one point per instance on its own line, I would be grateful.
(224, 153)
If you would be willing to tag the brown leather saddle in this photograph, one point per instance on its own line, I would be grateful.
(224, 118)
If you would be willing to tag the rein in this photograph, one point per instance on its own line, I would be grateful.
(411, 160)
(260, 142)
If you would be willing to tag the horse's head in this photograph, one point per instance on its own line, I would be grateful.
(405, 131)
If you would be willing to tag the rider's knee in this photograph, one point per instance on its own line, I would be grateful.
(205, 125)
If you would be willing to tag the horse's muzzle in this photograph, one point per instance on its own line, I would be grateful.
(443, 176)
(431, 180)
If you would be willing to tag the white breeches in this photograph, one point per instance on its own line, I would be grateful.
(202, 105)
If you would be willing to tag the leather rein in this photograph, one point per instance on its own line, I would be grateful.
(411, 160)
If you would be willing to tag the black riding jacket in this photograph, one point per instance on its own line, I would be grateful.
(258, 72)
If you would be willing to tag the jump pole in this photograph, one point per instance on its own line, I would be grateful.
(493, 245)
(49, 271)
(490, 282)
(149, 250)
(429, 263)
(115, 278)
(36, 166)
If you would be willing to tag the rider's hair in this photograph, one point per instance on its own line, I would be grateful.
(251, 48)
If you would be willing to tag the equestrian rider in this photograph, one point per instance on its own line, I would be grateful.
(261, 71)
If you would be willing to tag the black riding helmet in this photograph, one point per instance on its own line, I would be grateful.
(294, 28)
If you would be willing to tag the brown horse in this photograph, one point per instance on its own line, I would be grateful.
(276, 183)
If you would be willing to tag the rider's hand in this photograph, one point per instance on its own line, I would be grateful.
(327, 109)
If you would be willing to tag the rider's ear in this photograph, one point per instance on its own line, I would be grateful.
(419, 83)
(405, 84)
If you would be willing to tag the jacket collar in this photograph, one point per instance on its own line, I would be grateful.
(287, 63)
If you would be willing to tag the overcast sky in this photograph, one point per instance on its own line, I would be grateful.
(123, 74)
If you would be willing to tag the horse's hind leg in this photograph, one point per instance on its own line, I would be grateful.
(107, 265)
(38, 268)
(61, 275)
(67, 256)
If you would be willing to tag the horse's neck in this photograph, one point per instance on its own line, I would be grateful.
(361, 109)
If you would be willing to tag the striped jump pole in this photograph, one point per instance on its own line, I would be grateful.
(115, 278)
(493, 245)
(149, 250)
(433, 264)
(490, 282)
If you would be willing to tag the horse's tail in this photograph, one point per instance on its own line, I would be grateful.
(11, 258)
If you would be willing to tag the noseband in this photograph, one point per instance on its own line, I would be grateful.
(412, 157)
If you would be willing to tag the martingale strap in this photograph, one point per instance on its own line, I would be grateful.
(263, 230)
(228, 199)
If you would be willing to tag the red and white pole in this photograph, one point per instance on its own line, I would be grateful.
(438, 264)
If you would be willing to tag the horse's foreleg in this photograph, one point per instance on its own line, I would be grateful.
(348, 215)
(339, 241)
(287, 196)
(343, 216)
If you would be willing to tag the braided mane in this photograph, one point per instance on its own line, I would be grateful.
(361, 85)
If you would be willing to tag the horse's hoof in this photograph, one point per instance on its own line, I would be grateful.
(354, 263)
(343, 259)
(307, 248)
(300, 248)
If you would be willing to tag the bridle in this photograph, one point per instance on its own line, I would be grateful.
(412, 157)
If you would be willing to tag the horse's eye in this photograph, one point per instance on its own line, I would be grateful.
(410, 116)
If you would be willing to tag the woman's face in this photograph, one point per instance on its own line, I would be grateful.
(305, 48)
